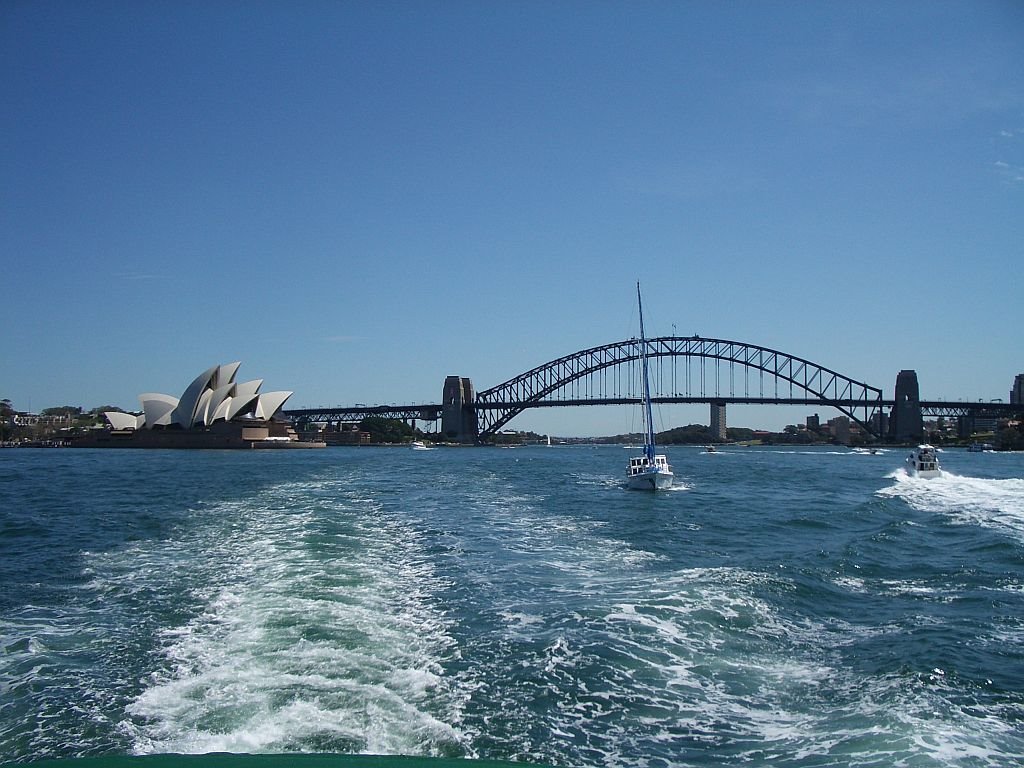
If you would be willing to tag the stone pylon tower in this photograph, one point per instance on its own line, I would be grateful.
(458, 417)
(1017, 393)
(906, 424)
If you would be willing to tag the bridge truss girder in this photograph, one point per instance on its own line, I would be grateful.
(783, 374)
(976, 410)
(325, 414)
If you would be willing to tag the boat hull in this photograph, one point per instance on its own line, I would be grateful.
(650, 481)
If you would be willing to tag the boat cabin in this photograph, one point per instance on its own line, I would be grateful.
(640, 464)
(923, 462)
(926, 461)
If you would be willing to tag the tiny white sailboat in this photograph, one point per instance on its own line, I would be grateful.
(651, 471)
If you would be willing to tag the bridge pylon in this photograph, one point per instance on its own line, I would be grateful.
(906, 423)
(458, 414)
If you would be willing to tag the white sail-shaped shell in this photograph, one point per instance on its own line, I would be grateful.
(120, 420)
(213, 396)
(269, 403)
(225, 375)
(157, 408)
(201, 408)
(185, 414)
(245, 397)
(216, 408)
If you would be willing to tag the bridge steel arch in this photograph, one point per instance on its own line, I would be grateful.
(498, 405)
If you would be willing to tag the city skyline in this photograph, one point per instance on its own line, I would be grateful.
(360, 199)
(716, 405)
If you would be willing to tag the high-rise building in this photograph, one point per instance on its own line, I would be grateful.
(840, 429)
(718, 421)
(879, 422)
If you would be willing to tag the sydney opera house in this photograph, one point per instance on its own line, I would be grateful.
(214, 411)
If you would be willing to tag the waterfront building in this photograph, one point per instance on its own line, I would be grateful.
(718, 428)
(839, 428)
(1017, 393)
(880, 422)
(56, 421)
(214, 411)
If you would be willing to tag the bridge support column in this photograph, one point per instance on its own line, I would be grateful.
(717, 427)
(458, 416)
(906, 424)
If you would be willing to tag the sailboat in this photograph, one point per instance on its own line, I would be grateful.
(651, 471)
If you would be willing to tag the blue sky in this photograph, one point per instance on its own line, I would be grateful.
(356, 199)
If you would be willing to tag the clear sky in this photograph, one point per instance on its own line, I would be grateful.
(356, 199)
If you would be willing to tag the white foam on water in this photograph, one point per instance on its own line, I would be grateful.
(992, 503)
(573, 546)
(595, 480)
(699, 662)
(797, 452)
(851, 583)
(678, 486)
(298, 650)
(595, 651)
(915, 589)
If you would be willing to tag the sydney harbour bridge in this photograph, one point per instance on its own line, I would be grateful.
(687, 369)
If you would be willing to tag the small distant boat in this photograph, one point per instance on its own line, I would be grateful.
(419, 445)
(922, 462)
(979, 447)
(710, 449)
(651, 471)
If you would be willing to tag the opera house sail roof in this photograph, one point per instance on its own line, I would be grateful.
(213, 408)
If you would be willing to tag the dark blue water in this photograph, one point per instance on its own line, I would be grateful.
(797, 608)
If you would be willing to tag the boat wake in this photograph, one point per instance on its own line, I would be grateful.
(702, 659)
(992, 503)
(514, 606)
(296, 644)
(679, 486)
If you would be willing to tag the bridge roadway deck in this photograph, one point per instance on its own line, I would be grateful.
(360, 412)
(432, 412)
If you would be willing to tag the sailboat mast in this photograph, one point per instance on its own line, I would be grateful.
(648, 417)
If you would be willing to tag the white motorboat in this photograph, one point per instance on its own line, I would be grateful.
(419, 445)
(651, 471)
(922, 462)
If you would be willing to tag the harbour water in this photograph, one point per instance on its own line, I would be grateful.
(792, 607)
